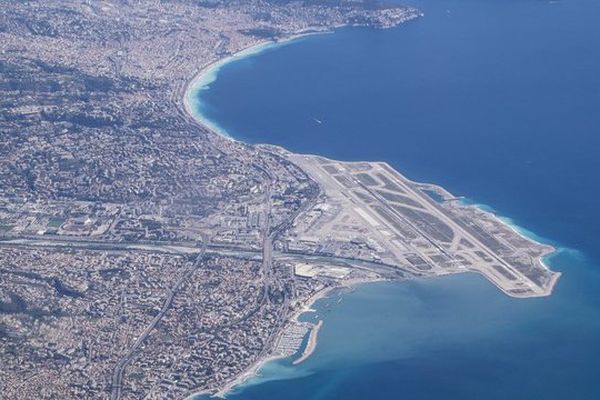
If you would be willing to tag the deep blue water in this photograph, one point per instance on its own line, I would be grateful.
(496, 100)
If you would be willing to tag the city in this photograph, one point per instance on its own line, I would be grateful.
(144, 256)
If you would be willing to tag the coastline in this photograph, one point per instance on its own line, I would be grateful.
(207, 74)
(204, 77)
(551, 247)
(312, 343)
(253, 369)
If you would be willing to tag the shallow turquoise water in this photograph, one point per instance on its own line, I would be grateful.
(455, 337)
(496, 100)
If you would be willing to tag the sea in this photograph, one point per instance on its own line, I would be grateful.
(495, 100)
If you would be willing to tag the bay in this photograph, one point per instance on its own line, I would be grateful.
(494, 100)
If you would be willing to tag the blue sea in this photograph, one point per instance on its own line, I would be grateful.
(497, 101)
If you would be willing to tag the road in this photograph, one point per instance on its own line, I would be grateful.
(267, 251)
(117, 376)
(233, 251)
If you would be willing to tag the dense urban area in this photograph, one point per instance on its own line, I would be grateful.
(143, 256)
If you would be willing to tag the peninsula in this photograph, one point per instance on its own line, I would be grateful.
(143, 254)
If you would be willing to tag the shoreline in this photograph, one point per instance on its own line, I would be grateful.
(312, 343)
(253, 370)
(206, 75)
(551, 248)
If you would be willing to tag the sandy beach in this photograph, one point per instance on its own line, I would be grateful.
(209, 72)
